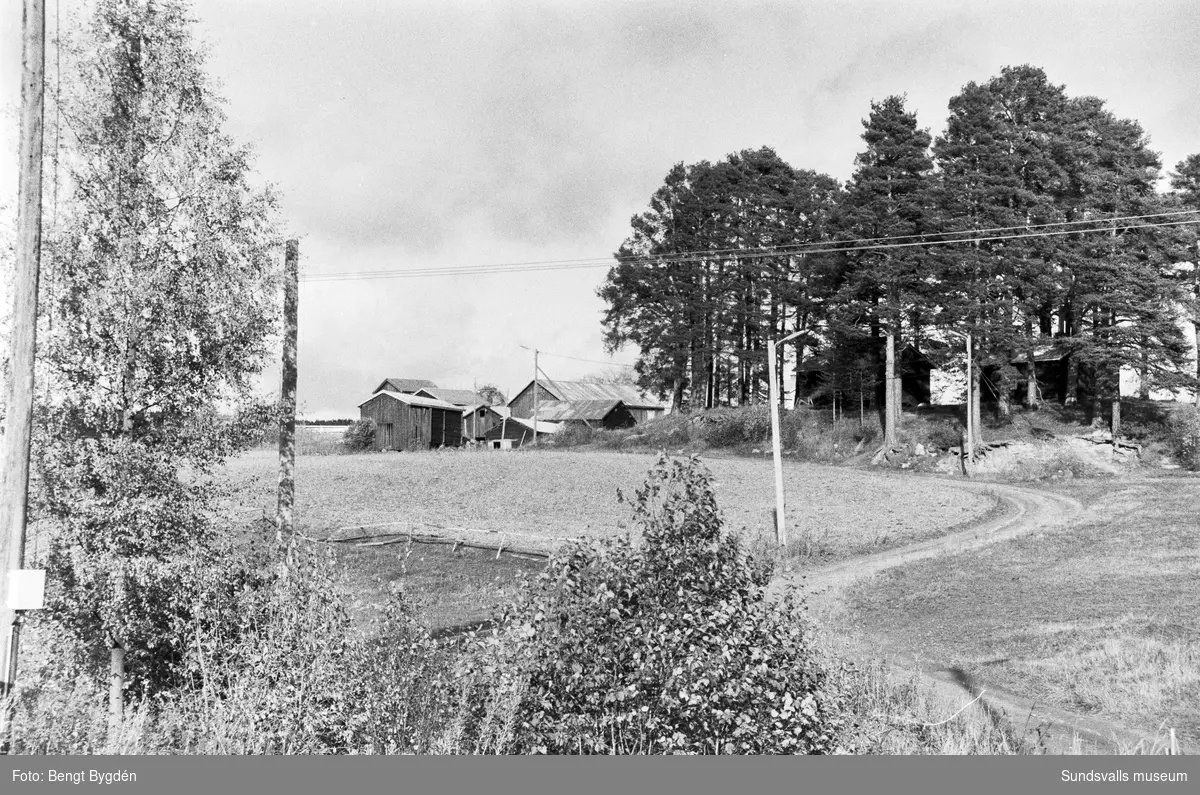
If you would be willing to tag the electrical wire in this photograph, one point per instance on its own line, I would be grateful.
(577, 359)
(696, 254)
(751, 254)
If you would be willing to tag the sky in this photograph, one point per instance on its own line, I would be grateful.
(419, 134)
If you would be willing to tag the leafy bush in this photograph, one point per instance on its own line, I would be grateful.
(667, 647)
(1184, 438)
(942, 435)
(360, 436)
(572, 434)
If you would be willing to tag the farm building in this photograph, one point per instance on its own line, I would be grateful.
(516, 431)
(608, 414)
(412, 422)
(405, 386)
(640, 406)
(479, 419)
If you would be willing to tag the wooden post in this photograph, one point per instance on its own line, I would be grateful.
(535, 396)
(18, 423)
(780, 522)
(116, 697)
(284, 515)
(890, 433)
(970, 451)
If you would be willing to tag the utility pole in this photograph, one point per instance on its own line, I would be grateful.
(776, 452)
(18, 424)
(535, 391)
(284, 514)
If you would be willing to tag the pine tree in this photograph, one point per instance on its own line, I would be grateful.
(889, 196)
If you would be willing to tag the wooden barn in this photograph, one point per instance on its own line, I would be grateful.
(596, 414)
(640, 406)
(478, 420)
(516, 431)
(412, 422)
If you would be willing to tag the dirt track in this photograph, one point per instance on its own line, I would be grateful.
(1025, 511)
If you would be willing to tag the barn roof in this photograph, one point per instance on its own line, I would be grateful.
(459, 397)
(404, 385)
(413, 400)
(500, 411)
(579, 391)
(564, 411)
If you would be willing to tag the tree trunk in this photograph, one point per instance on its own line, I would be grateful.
(116, 697)
(1031, 384)
(1116, 415)
(1097, 402)
(1072, 396)
(1003, 401)
(1196, 331)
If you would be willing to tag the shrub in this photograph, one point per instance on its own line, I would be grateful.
(572, 435)
(360, 436)
(944, 434)
(666, 647)
(1184, 436)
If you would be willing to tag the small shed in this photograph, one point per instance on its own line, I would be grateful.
(479, 419)
(411, 422)
(607, 414)
(516, 431)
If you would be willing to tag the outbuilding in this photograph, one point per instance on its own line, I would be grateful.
(640, 406)
(595, 414)
(516, 431)
(478, 420)
(412, 422)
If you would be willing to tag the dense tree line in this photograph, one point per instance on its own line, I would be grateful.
(1034, 218)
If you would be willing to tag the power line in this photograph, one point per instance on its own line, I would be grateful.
(970, 236)
(589, 361)
(698, 254)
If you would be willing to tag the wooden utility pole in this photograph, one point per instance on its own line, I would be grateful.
(890, 432)
(284, 515)
(776, 451)
(969, 453)
(535, 395)
(18, 423)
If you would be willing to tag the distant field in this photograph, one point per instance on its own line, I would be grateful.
(567, 494)
(1101, 617)
(549, 494)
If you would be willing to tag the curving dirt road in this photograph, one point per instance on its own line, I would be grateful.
(1023, 511)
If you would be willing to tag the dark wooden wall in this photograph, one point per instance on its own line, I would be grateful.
(509, 430)
(478, 423)
(620, 417)
(410, 425)
(522, 404)
(445, 427)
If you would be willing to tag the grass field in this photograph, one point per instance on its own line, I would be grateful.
(1102, 617)
(546, 495)
(568, 494)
